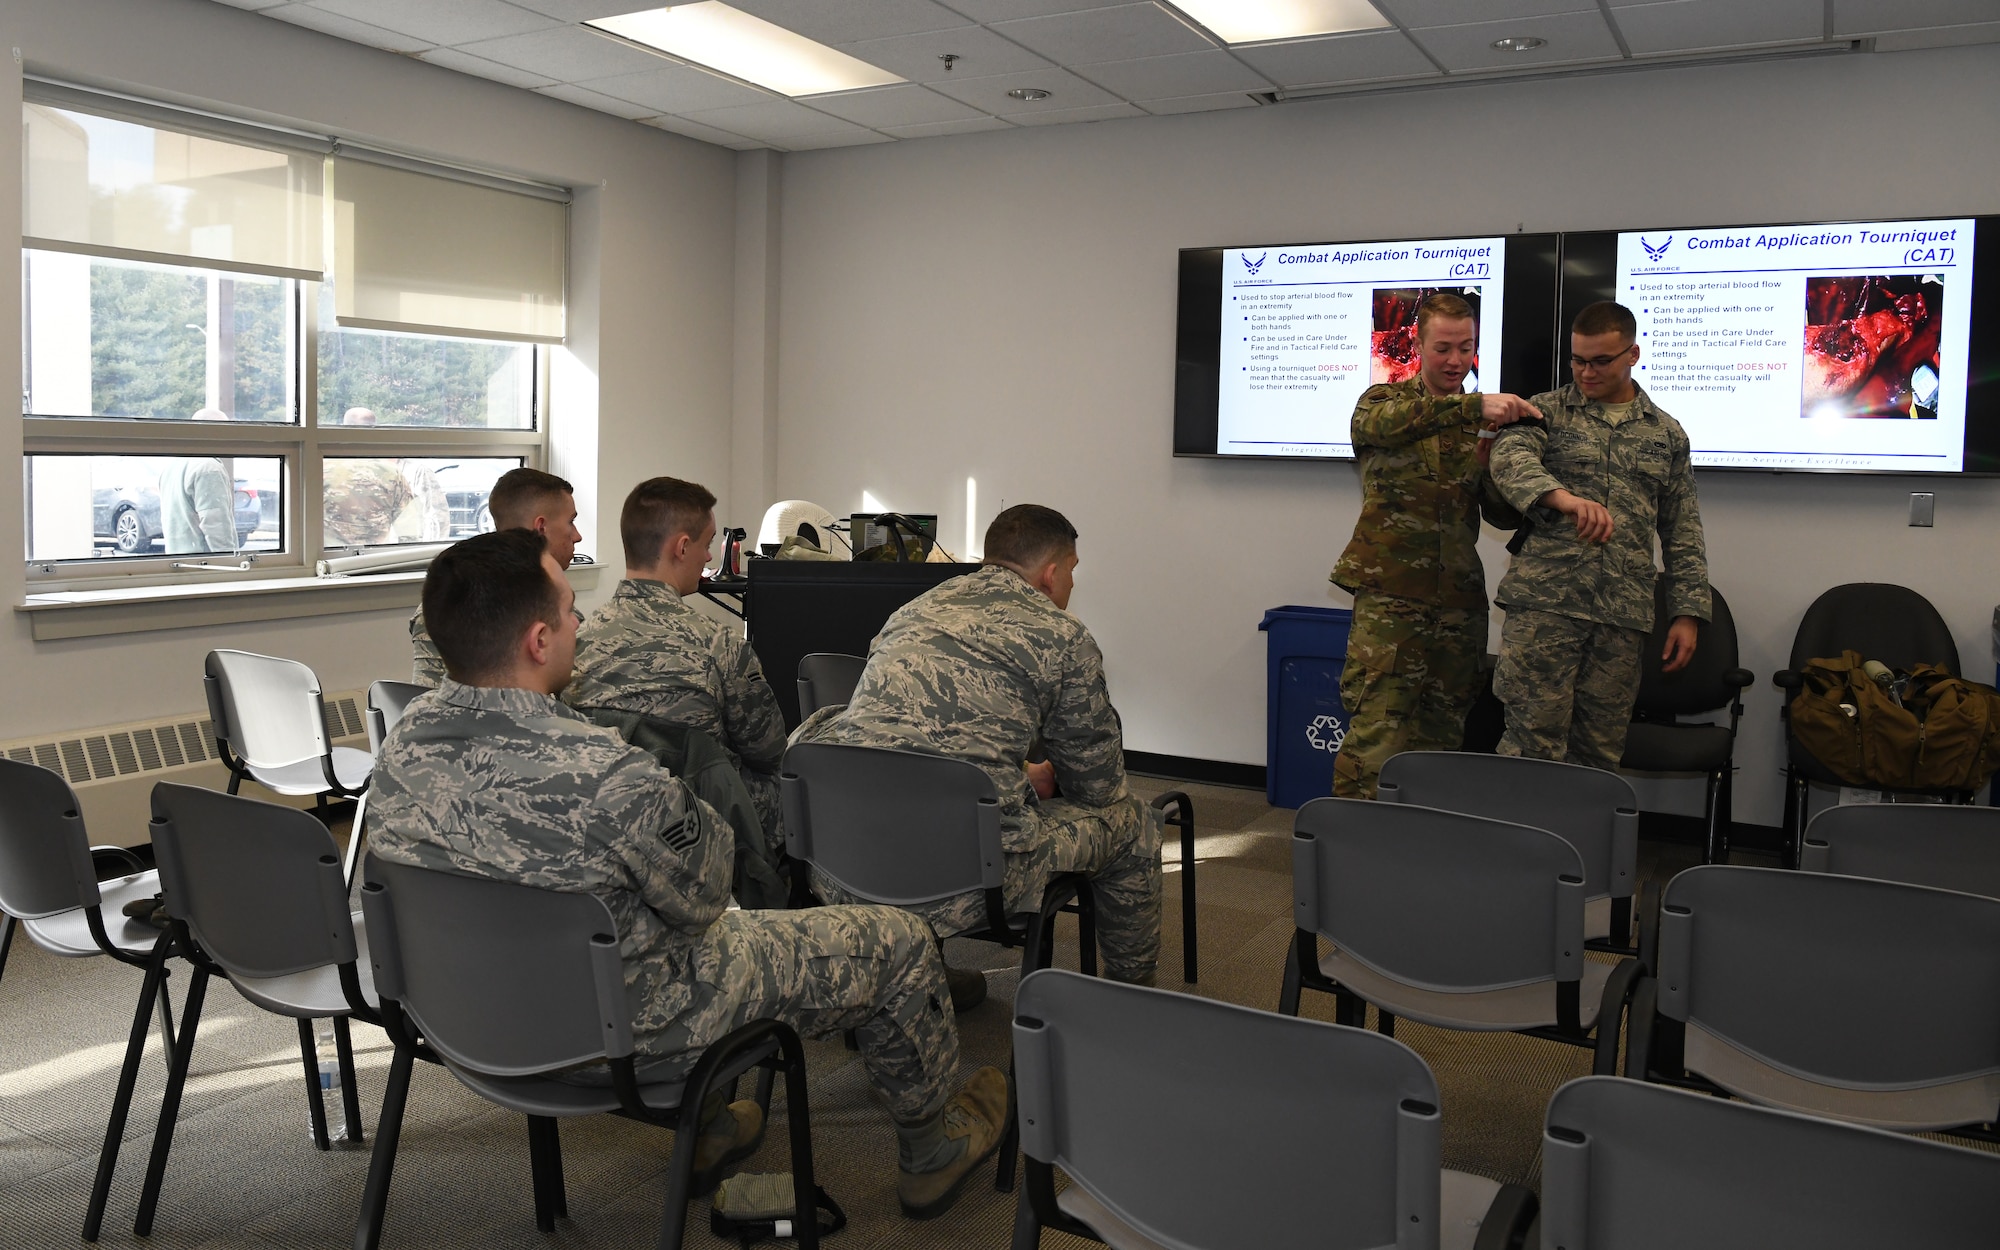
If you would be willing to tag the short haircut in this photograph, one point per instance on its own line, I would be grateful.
(1442, 304)
(482, 594)
(660, 509)
(523, 494)
(1029, 536)
(1605, 317)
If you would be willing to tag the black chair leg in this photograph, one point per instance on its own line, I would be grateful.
(350, 1095)
(315, 1096)
(1010, 1139)
(382, 1164)
(1086, 932)
(6, 940)
(680, 1179)
(1288, 991)
(545, 1164)
(170, 1104)
(1711, 845)
(1725, 811)
(798, 1124)
(1385, 1023)
(128, 1077)
(1027, 1229)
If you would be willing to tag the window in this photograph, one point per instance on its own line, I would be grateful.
(242, 352)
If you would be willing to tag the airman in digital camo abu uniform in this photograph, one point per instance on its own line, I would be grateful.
(490, 775)
(1413, 566)
(1606, 471)
(982, 668)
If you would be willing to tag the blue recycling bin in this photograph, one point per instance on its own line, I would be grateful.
(1307, 648)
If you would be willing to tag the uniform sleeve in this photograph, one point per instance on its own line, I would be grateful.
(426, 664)
(679, 851)
(1387, 417)
(750, 716)
(1082, 735)
(1682, 548)
(1516, 464)
(214, 507)
(1494, 506)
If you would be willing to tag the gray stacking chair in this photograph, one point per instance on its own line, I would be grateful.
(386, 701)
(1183, 1122)
(827, 679)
(507, 984)
(1855, 999)
(1627, 1166)
(1944, 846)
(904, 828)
(254, 893)
(1594, 811)
(1454, 920)
(50, 891)
(270, 726)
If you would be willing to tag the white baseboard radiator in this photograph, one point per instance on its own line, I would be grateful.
(113, 768)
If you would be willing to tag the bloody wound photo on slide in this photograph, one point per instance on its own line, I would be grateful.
(1872, 346)
(1392, 355)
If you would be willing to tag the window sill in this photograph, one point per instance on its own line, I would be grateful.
(134, 610)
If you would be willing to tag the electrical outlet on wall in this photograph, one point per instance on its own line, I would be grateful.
(1923, 508)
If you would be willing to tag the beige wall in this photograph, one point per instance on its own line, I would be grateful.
(1001, 306)
(645, 387)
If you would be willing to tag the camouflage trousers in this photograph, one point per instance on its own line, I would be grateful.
(763, 788)
(1117, 847)
(875, 970)
(1569, 686)
(1411, 677)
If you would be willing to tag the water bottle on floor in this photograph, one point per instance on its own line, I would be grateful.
(329, 1081)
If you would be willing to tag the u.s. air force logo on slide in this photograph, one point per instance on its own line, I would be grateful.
(1654, 253)
(1254, 265)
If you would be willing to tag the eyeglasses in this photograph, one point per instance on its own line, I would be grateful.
(1598, 362)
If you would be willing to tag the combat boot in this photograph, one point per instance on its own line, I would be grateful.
(976, 1116)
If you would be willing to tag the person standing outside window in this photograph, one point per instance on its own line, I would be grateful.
(1413, 567)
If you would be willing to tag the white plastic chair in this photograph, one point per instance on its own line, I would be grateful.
(270, 726)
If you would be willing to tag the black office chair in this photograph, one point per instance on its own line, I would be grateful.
(1658, 742)
(1882, 621)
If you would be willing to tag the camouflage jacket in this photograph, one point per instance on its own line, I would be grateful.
(980, 669)
(1639, 469)
(1423, 492)
(426, 665)
(647, 651)
(512, 785)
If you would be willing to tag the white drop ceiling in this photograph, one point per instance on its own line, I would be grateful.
(1097, 59)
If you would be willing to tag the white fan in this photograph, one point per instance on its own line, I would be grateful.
(789, 517)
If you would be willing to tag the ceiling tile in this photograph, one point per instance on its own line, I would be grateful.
(1339, 59)
(1199, 103)
(597, 101)
(989, 95)
(347, 28)
(933, 129)
(1182, 74)
(920, 58)
(480, 67)
(445, 22)
(1938, 37)
(1463, 12)
(1097, 113)
(818, 142)
(1007, 10)
(695, 130)
(1698, 25)
(774, 121)
(251, 4)
(1572, 37)
(1117, 34)
(1868, 17)
(850, 20)
(673, 88)
(881, 107)
(580, 10)
(566, 54)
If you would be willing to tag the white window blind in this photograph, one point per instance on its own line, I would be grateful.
(119, 188)
(424, 254)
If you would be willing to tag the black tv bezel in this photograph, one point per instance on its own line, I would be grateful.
(1598, 249)
(1532, 283)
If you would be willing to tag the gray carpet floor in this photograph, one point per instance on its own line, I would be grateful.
(243, 1171)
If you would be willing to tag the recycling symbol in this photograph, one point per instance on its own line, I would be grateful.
(1326, 733)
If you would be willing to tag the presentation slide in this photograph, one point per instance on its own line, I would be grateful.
(1307, 328)
(1838, 347)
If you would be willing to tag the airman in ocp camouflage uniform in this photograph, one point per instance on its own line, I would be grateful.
(984, 667)
(363, 499)
(1605, 472)
(1419, 628)
(647, 651)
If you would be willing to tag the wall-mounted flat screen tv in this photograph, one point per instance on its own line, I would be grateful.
(1275, 343)
(1845, 347)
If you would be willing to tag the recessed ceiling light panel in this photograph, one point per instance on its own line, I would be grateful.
(1030, 94)
(745, 46)
(1520, 43)
(1256, 21)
